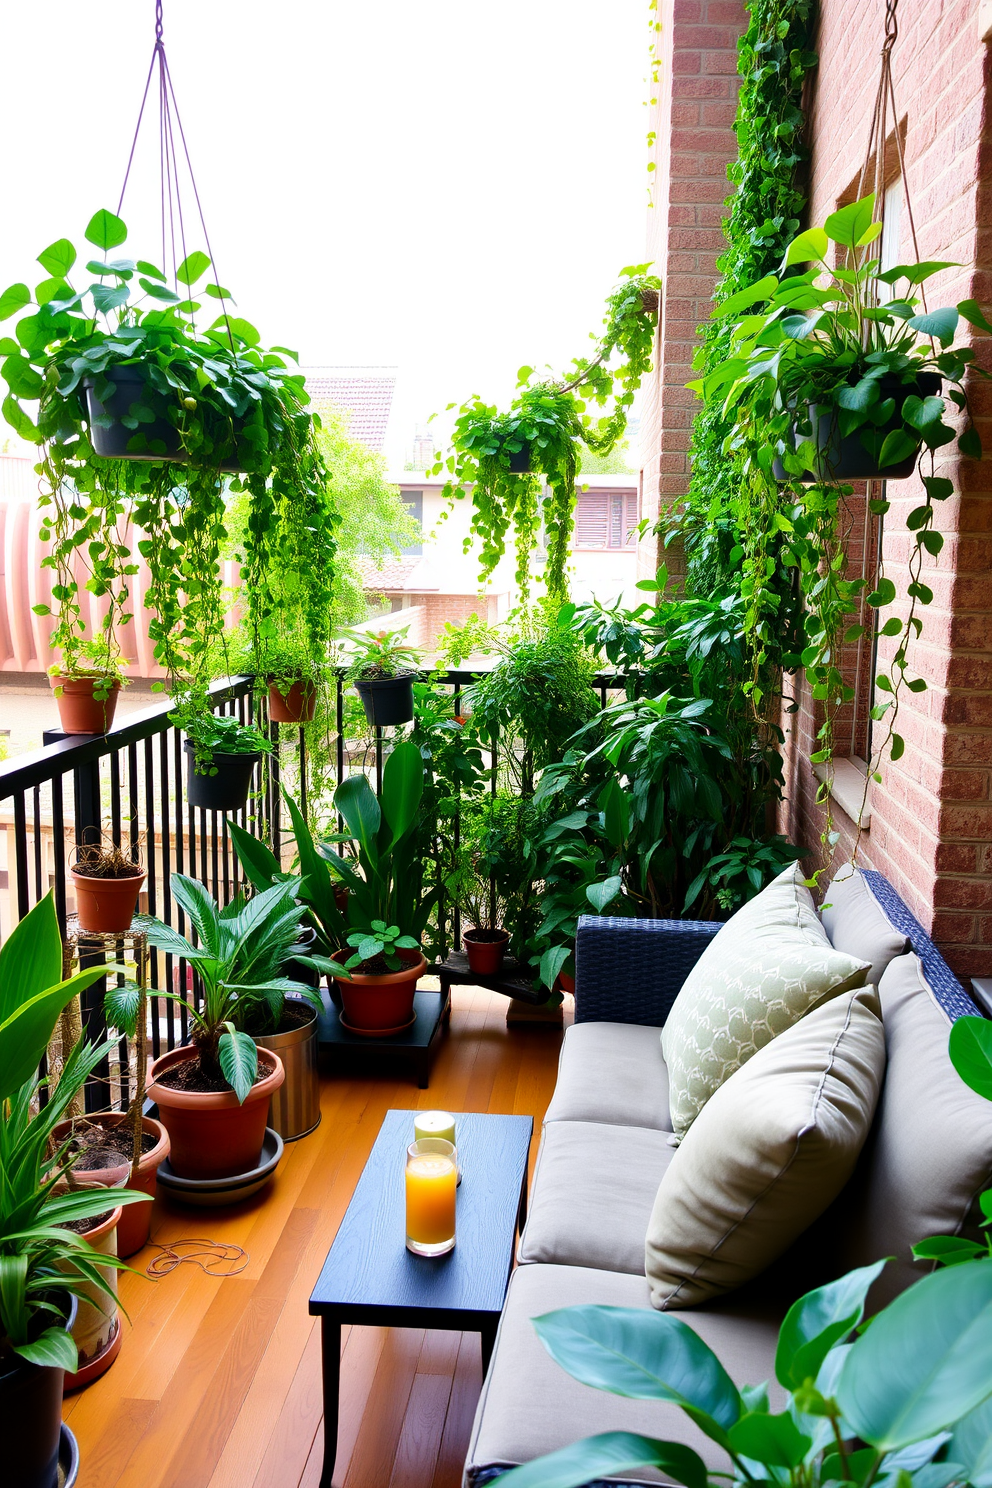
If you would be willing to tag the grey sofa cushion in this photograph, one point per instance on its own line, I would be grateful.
(929, 1153)
(594, 1187)
(530, 1406)
(612, 1073)
(856, 923)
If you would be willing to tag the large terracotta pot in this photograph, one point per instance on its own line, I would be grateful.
(79, 711)
(106, 905)
(380, 1004)
(31, 1417)
(96, 1331)
(135, 1221)
(298, 705)
(485, 955)
(212, 1136)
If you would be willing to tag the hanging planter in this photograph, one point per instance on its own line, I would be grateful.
(218, 781)
(296, 704)
(387, 701)
(856, 456)
(382, 672)
(127, 395)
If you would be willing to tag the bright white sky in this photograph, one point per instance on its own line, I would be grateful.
(446, 186)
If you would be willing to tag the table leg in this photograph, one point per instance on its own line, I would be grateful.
(330, 1373)
(488, 1340)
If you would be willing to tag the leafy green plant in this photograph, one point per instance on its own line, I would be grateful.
(521, 465)
(379, 943)
(379, 653)
(238, 961)
(216, 733)
(816, 344)
(741, 871)
(905, 1402)
(39, 1258)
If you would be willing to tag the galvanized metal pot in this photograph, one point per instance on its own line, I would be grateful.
(295, 1107)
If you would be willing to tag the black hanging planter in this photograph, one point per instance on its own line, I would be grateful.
(31, 1421)
(844, 457)
(386, 700)
(520, 461)
(225, 791)
(130, 390)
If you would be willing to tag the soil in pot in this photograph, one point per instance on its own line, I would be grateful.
(79, 711)
(485, 950)
(105, 904)
(297, 705)
(212, 1136)
(387, 700)
(228, 789)
(377, 1003)
(104, 1140)
(31, 1414)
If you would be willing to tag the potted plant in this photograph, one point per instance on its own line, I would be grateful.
(107, 881)
(387, 910)
(221, 754)
(382, 670)
(213, 1094)
(99, 1145)
(86, 694)
(521, 465)
(45, 1265)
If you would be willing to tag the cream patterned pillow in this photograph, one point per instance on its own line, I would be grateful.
(769, 965)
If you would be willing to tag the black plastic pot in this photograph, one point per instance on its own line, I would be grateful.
(31, 1421)
(520, 462)
(386, 700)
(225, 791)
(844, 458)
(131, 389)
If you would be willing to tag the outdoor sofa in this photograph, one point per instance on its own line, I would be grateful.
(607, 1142)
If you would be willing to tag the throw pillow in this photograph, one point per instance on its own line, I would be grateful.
(855, 922)
(768, 967)
(768, 1153)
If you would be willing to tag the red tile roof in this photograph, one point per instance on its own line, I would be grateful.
(364, 393)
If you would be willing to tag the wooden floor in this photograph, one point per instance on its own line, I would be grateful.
(218, 1381)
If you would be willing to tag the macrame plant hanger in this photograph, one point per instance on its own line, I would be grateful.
(171, 207)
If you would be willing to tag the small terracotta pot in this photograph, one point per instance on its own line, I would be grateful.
(374, 1003)
(135, 1221)
(298, 705)
(97, 1329)
(79, 711)
(105, 905)
(212, 1136)
(564, 982)
(485, 957)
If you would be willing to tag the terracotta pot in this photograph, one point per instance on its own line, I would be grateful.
(374, 1003)
(211, 1136)
(96, 1331)
(31, 1417)
(79, 711)
(485, 957)
(564, 982)
(106, 905)
(298, 705)
(135, 1221)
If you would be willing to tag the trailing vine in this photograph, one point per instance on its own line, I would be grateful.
(521, 465)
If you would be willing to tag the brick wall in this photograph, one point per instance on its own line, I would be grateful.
(694, 115)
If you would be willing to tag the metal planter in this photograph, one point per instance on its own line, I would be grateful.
(294, 1110)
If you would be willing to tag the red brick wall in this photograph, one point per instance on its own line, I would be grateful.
(694, 115)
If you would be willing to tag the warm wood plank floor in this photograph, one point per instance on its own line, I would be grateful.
(218, 1382)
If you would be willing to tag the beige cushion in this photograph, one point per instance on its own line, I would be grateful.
(592, 1194)
(767, 1154)
(612, 1073)
(769, 966)
(530, 1405)
(855, 922)
(929, 1154)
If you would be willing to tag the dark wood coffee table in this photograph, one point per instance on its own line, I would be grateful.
(369, 1276)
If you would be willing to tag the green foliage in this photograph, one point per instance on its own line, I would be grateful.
(216, 733)
(238, 961)
(522, 464)
(906, 1402)
(539, 693)
(379, 654)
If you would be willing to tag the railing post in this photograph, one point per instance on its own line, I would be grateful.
(88, 826)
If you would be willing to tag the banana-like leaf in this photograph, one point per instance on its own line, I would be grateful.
(238, 1058)
(26, 1032)
(195, 899)
(402, 789)
(54, 1349)
(30, 958)
(357, 803)
(256, 858)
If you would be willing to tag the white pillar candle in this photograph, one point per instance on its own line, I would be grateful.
(435, 1124)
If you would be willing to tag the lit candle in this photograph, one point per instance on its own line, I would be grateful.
(431, 1180)
(435, 1124)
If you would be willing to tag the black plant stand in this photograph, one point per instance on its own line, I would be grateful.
(512, 979)
(414, 1046)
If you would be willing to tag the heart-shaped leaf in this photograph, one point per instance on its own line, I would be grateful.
(105, 230)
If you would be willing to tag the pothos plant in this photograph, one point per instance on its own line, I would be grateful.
(204, 405)
(819, 355)
(521, 465)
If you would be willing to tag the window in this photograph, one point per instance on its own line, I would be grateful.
(414, 503)
(605, 520)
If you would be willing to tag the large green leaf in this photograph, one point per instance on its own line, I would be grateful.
(819, 1320)
(611, 1452)
(193, 267)
(238, 1058)
(198, 903)
(925, 1362)
(940, 323)
(642, 1354)
(105, 230)
(356, 801)
(31, 957)
(256, 858)
(25, 1034)
(971, 1446)
(808, 246)
(970, 1048)
(14, 299)
(402, 788)
(58, 258)
(850, 226)
(53, 1349)
(775, 1441)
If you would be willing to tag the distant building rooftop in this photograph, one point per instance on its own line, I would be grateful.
(365, 394)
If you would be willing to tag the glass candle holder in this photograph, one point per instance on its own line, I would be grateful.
(431, 1181)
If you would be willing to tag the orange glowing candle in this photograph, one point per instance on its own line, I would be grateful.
(431, 1181)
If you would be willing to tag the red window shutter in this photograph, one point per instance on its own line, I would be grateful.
(592, 518)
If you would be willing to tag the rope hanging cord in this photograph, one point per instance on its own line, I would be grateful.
(170, 206)
(214, 1257)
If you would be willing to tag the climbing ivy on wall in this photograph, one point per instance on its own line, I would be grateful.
(765, 208)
